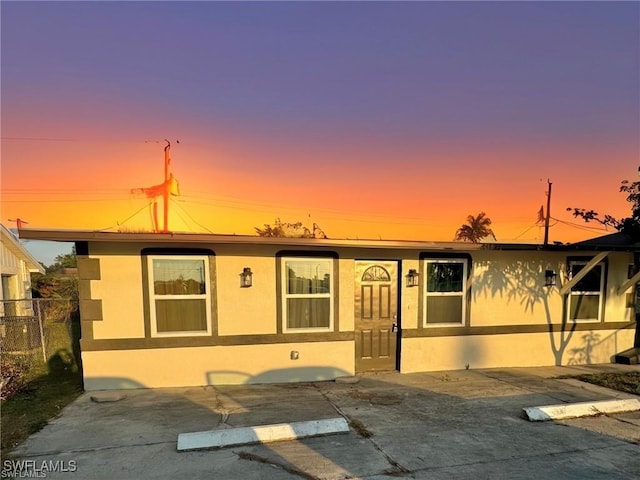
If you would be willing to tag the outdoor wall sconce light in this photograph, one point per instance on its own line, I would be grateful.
(246, 277)
(413, 278)
(550, 278)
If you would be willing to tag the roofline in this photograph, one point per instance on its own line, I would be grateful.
(213, 238)
(15, 246)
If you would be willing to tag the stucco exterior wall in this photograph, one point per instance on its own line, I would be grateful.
(245, 311)
(120, 292)
(508, 289)
(167, 367)
(505, 290)
(346, 292)
(513, 350)
(410, 310)
(618, 305)
(510, 313)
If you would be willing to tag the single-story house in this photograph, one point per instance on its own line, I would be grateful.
(177, 309)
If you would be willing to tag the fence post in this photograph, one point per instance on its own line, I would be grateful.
(40, 324)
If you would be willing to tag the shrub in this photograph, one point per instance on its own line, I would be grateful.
(13, 377)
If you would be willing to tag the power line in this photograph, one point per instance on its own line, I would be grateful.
(40, 139)
(80, 140)
(230, 202)
(523, 233)
(189, 215)
(67, 200)
(116, 194)
(581, 227)
(184, 221)
(119, 224)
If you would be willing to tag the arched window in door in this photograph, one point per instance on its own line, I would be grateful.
(376, 273)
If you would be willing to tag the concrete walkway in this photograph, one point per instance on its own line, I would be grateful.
(458, 424)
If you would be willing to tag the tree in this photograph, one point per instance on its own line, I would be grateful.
(54, 283)
(286, 229)
(627, 225)
(64, 260)
(477, 228)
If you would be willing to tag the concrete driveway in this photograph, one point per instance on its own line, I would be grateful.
(459, 424)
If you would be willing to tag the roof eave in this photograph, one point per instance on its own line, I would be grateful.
(13, 244)
(176, 237)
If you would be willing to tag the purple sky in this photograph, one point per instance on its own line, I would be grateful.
(493, 95)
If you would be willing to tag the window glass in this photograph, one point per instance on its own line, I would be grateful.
(178, 277)
(181, 315)
(590, 282)
(307, 302)
(585, 307)
(308, 277)
(445, 292)
(585, 300)
(179, 296)
(376, 274)
(445, 277)
(308, 312)
(444, 309)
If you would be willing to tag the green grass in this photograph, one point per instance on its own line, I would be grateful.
(628, 382)
(42, 399)
(48, 388)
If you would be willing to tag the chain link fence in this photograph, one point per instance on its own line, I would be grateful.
(38, 332)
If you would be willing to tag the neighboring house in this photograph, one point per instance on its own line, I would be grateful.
(18, 327)
(16, 266)
(162, 310)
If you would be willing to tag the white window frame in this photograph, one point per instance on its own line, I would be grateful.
(462, 294)
(574, 293)
(286, 295)
(153, 297)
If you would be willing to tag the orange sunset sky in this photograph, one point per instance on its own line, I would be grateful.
(373, 120)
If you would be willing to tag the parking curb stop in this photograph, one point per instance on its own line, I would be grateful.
(260, 434)
(583, 409)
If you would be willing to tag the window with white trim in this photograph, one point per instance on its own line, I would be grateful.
(585, 298)
(179, 295)
(307, 294)
(445, 298)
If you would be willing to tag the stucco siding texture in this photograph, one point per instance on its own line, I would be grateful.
(220, 365)
(513, 350)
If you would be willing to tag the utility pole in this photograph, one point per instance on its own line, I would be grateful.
(167, 186)
(165, 190)
(19, 223)
(546, 219)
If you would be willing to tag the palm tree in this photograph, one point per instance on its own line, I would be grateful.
(478, 227)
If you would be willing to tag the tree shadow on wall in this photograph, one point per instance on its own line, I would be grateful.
(523, 282)
(583, 355)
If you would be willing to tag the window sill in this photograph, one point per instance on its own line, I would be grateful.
(180, 334)
(307, 330)
(439, 325)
